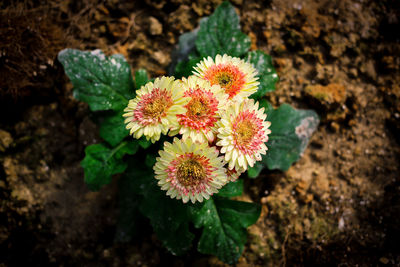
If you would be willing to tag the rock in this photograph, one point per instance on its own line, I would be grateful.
(156, 4)
(328, 97)
(390, 63)
(161, 57)
(302, 188)
(335, 126)
(320, 186)
(180, 19)
(369, 69)
(140, 43)
(384, 260)
(306, 198)
(392, 100)
(155, 26)
(337, 43)
(5, 140)
(253, 38)
(238, 2)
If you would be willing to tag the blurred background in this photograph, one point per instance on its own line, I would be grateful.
(338, 206)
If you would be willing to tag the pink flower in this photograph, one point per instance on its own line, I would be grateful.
(242, 133)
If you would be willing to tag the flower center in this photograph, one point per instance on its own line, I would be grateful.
(153, 106)
(197, 108)
(228, 76)
(155, 109)
(244, 131)
(224, 79)
(190, 172)
(201, 110)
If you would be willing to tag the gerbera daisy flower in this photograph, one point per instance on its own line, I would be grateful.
(202, 110)
(234, 75)
(242, 133)
(153, 111)
(190, 171)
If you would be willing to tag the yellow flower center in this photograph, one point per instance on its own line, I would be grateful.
(224, 79)
(244, 132)
(156, 108)
(190, 172)
(197, 108)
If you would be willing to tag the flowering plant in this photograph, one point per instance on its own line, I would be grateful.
(192, 135)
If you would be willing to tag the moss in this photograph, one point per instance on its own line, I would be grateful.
(322, 96)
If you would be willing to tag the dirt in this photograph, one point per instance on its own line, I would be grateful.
(338, 205)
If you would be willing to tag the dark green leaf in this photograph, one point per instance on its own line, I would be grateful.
(232, 189)
(224, 225)
(128, 205)
(266, 72)
(169, 217)
(141, 78)
(112, 128)
(266, 105)
(291, 130)
(103, 82)
(221, 34)
(101, 162)
(254, 171)
(144, 143)
(150, 160)
(185, 68)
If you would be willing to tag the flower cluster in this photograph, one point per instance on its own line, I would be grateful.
(223, 132)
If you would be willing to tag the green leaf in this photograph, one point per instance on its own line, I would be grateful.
(185, 54)
(169, 217)
(224, 225)
(232, 189)
(254, 171)
(141, 78)
(185, 68)
(150, 160)
(291, 130)
(103, 82)
(101, 162)
(266, 105)
(266, 72)
(128, 205)
(221, 34)
(112, 128)
(144, 143)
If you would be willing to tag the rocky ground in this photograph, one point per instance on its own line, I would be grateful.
(339, 205)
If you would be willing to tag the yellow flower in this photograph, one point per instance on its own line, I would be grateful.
(202, 110)
(153, 111)
(234, 75)
(242, 133)
(190, 171)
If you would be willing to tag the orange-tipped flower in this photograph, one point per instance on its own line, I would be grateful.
(202, 110)
(234, 75)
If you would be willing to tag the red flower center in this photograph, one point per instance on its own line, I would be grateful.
(201, 109)
(248, 133)
(227, 76)
(152, 107)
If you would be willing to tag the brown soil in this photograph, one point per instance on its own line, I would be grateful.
(339, 205)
